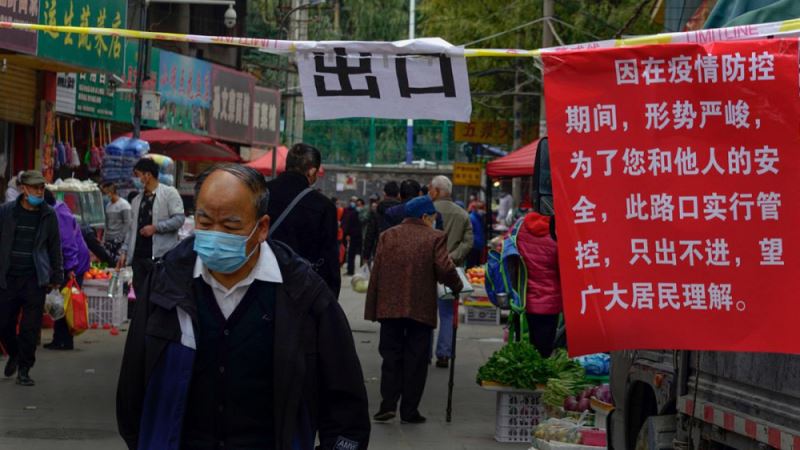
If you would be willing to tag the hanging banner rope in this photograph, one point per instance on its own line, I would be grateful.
(738, 33)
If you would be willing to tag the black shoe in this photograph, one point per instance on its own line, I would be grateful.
(415, 419)
(442, 363)
(23, 379)
(384, 416)
(56, 346)
(11, 366)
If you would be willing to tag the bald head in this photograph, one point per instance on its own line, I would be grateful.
(231, 198)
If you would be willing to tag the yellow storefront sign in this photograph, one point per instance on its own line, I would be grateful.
(467, 174)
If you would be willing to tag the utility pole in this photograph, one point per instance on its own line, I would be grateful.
(337, 8)
(141, 66)
(516, 183)
(412, 6)
(297, 31)
(547, 41)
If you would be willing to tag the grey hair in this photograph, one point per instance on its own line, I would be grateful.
(442, 183)
(250, 177)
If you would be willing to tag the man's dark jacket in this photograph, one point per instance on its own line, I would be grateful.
(318, 383)
(351, 226)
(310, 228)
(386, 221)
(47, 257)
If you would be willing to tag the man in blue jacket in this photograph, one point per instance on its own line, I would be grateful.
(30, 264)
(237, 342)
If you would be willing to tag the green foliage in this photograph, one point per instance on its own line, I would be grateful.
(492, 79)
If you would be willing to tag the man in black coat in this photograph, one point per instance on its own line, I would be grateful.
(31, 264)
(310, 228)
(236, 342)
(351, 226)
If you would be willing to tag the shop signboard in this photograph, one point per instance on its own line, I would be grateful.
(467, 174)
(232, 105)
(19, 11)
(485, 131)
(266, 117)
(94, 98)
(104, 53)
(66, 88)
(674, 179)
(184, 84)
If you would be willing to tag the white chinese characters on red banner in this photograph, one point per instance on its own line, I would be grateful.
(675, 179)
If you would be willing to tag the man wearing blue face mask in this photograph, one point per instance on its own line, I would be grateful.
(157, 216)
(237, 342)
(31, 264)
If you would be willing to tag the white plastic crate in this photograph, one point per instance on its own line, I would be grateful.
(107, 302)
(482, 315)
(108, 310)
(516, 414)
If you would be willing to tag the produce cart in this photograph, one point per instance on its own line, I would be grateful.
(108, 304)
(84, 200)
(478, 308)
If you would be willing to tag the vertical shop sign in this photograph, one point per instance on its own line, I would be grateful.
(66, 88)
(232, 105)
(266, 117)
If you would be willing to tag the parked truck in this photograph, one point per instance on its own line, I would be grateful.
(694, 399)
(685, 399)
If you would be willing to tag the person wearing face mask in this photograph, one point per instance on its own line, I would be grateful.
(411, 258)
(303, 218)
(236, 341)
(31, 264)
(118, 219)
(157, 216)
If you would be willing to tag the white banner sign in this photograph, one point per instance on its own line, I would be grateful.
(421, 79)
(66, 89)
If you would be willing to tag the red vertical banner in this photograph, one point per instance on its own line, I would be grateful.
(675, 180)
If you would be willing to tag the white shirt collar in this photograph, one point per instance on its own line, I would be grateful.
(266, 269)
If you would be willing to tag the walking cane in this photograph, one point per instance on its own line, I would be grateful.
(449, 415)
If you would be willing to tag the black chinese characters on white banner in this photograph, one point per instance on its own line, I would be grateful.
(420, 79)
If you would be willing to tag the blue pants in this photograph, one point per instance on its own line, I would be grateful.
(444, 343)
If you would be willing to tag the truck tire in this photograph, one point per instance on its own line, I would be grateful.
(657, 433)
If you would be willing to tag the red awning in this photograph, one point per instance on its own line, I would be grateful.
(264, 163)
(182, 146)
(518, 163)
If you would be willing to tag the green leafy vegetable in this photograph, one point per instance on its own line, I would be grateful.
(519, 365)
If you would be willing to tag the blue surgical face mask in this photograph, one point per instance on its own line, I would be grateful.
(137, 183)
(222, 252)
(35, 200)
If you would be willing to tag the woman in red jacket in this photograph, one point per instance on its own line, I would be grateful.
(543, 300)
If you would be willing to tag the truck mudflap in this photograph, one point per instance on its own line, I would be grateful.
(740, 423)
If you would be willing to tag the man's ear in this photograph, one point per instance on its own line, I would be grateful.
(263, 228)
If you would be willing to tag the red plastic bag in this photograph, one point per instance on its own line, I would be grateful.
(76, 306)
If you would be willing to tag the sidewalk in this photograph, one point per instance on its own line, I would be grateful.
(473, 408)
(72, 406)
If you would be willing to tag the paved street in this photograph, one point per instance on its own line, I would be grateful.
(72, 407)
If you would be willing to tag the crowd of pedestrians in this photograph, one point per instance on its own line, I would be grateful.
(265, 259)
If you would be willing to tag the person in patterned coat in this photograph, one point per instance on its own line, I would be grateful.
(411, 258)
